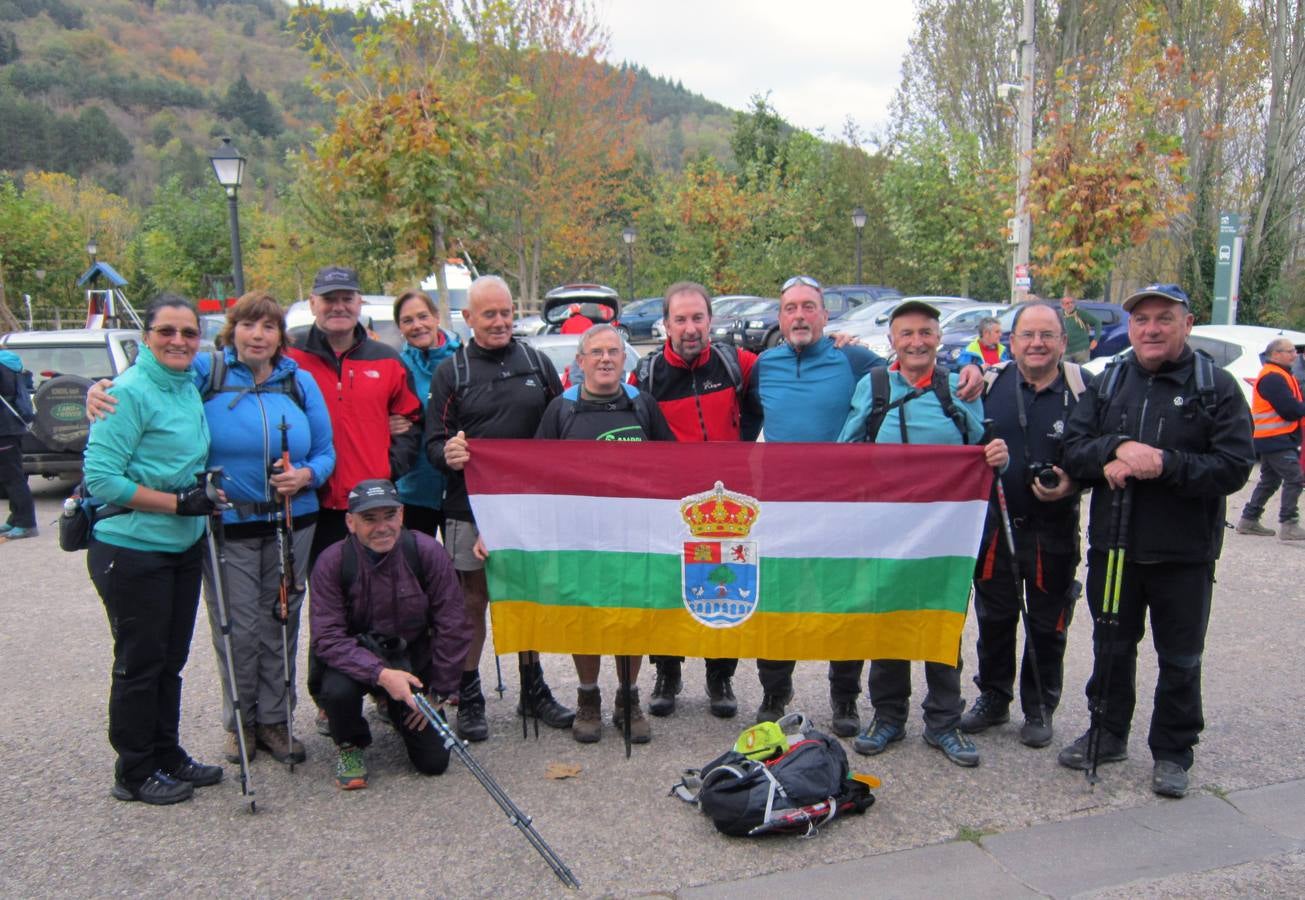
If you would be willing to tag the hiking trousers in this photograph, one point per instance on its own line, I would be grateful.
(1277, 468)
(776, 677)
(342, 698)
(890, 693)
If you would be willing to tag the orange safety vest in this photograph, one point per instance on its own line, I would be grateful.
(1267, 421)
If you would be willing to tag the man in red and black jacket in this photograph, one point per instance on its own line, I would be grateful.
(364, 382)
(697, 385)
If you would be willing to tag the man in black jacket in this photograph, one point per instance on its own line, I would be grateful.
(1276, 412)
(1172, 431)
(494, 387)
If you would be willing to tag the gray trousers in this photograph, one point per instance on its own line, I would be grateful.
(252, 578)
(1281, 467)
(890, 693)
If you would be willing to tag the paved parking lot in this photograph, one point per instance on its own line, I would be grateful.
(613, 823)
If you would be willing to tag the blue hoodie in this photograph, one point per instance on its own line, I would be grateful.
(246, 436)
(424, 484)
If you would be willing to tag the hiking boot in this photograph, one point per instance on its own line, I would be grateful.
(381, 706)
(1290, 531)
(196, 774)
(1036, 733)
(5, 528)
(668, 684)
(1168, 779)
(472, 725)
(877, 736)
(772, 707)
(990, 708)
(846, 721)
(540, 702)
(1075, 756)
(350, 768)
(231, 752)
(160, 789)
(17, 534)
(1253, 526)
(587, 727)
(723, 704)
(957, 747)
(640, 732)
(275, 739)
(323, 723)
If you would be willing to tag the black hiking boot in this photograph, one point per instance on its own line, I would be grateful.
(723, 704)
(772, 707)
(472, 724)
(537, 700)
(846, 721)
(668, 684)
(991, 708)
(160, 789)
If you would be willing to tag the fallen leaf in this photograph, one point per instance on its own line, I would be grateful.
(559, 770)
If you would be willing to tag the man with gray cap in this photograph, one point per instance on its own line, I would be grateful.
(1162, 438)
(1276, 411)
(387, 619)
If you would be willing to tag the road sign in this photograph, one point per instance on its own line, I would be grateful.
(1022, 281)
(1224, 311)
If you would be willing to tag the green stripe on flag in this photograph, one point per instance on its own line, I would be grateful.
(653, 581)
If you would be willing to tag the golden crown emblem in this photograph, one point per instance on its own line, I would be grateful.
(719, 513)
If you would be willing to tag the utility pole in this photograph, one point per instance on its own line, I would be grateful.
(1025, 151)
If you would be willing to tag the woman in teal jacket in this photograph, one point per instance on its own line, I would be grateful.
(428, 345)
(146, 563)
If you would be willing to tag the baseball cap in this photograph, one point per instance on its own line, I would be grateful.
(373, 493)
(914, 306)
(335, 278)
(1170, 292)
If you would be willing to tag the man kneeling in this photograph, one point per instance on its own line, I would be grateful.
(387, 615)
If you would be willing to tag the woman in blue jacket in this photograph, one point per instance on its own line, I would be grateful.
(251, 391)
(428, 345)
(146, 564)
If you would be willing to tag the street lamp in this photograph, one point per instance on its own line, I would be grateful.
(92, 248)
(628, 235)
(229, 167)
(858, 221)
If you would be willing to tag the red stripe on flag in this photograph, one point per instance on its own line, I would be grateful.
(831, 473)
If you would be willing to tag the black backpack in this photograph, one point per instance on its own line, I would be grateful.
(639, 402)
(217, 384)
(349, 564)
(729, 358)
(1202, 373)
(880, 405)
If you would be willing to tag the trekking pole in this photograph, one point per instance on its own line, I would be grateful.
(281, 611)
(217, 556)
(623, 664)
(1121, 504)
(498, 671)
(526, 672)
(515, 815)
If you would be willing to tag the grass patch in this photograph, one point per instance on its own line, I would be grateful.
(973, 835)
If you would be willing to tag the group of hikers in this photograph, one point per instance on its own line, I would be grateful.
(342, 471)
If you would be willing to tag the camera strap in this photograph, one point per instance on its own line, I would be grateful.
(1019, 383)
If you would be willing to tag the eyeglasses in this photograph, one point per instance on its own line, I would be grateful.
(1045, 336)
(171, 331)
(610, 353)
(801, 279)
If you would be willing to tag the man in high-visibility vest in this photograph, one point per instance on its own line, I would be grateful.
(1276, 410)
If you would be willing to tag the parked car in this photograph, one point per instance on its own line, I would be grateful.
(1236, 348)
(595, 302)
(377, 316)
(561, 349)
(524, 326)
(1114, 331)
(753, 326)
(860, 293)
(64, 364)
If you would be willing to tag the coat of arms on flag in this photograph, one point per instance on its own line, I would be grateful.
(720, 575)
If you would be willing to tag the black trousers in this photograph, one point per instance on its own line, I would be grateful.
(150, 599)
(1277, 468)
(424, 519)
(776, 677)
(716, 668)
(330, 528)
(1051, 592)
(342, 698)
(1177, 595)
(22, 509)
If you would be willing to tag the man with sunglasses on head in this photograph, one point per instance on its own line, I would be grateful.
(802, 391)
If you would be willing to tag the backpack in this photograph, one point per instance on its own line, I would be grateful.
(217, 384)
(1073, 373)
(462, 368)
(21, 408)
(637, 400)
(349, 564)
(728, 354)
(1203, 374)
(805, 785)
(880, 405)
(80, 513)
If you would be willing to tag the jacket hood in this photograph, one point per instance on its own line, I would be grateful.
(10, 361)
(428, 361)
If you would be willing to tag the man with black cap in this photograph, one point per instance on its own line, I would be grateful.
(387, 619)
(918, 403)
(364, 382)
(1163, 437)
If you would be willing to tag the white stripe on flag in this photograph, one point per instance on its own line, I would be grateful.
(791, 530)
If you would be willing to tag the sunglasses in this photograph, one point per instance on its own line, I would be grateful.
(801, 279)
(171, 331)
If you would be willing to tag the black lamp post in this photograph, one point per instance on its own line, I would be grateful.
(628, 235)
(229, 166)
(858, 221)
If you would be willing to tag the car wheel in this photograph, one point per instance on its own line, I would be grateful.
(772, 339)
(60, 405)
(623, 332)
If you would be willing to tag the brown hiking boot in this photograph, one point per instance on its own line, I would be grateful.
(640, 731)
(1290, 531)
(275, 739)
(231, 750)
(1253, 526)
(587, 727)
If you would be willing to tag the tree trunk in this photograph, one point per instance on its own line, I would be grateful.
(7, 320)
(440, 252)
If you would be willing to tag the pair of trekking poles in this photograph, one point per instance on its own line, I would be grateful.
(280, 611)
(1108, 620)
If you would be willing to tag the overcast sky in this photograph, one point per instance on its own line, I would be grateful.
(821, 60)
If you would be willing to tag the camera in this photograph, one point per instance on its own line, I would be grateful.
(1042, 473)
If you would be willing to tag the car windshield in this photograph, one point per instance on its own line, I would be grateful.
(731, 306)
(47, 360)
(757, 306)
(869, 311)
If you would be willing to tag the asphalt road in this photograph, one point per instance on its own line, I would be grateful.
(613, 823)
